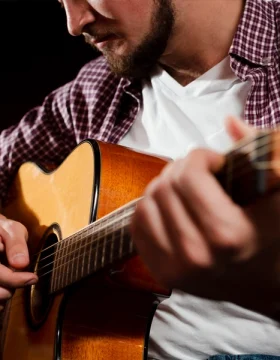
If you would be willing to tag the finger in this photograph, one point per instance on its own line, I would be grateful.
(11, 279)
(237, 129)
(14, 237)
(221, 221)
(5, 294)
(183, 234)
(150, 238)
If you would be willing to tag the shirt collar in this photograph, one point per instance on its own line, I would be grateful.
(255, 38)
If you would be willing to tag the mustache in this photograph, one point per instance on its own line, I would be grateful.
(94, 35)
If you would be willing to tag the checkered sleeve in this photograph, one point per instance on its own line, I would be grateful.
(45, 134)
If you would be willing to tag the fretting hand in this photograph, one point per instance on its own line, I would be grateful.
(194, 237)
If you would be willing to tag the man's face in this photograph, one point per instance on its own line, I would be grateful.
(132, 34)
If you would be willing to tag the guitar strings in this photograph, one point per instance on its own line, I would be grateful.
(95, 241)
(93, 245)
(65, 263)
(239, 163)
(263, 152)
(77, 257)
(78, 240)
(101, 225)
(87, 244)
(97, 223)
(101, 220)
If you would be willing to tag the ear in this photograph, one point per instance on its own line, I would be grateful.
(237, 129)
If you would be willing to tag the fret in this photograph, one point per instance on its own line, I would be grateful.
(62, 269)
(117, 245)
(96, 245)
(112, 246)
(71, 248)
(108, 244)
(99, 248)
(89, 249)
(52, 267)
(57, 267)
(93, 248)
(80, 260)
(104, 241)
(77, 256)
(90, 254)
(121, 236)
(65, 269)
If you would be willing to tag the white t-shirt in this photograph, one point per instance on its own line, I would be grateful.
(175, 119)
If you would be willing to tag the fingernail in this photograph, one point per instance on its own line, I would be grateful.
(30, 282)
(19, 259)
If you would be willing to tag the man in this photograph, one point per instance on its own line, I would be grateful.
(172, 71)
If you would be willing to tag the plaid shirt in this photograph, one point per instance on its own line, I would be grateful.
(99, 105)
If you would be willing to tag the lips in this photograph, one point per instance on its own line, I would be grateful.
(100, 40)
(104, 38)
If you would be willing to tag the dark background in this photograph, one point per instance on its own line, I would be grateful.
(36, 55)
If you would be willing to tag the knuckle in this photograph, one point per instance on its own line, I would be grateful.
(186, 180)
(162, 188)
(15, 282)
(151, 187)
(226, 238)
(195, 156)
(182, 177)
(194, 256)
(198, 261)
(158, 187)
(15, 228)
(167, 169)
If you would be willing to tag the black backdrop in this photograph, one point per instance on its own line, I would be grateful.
(36, 55)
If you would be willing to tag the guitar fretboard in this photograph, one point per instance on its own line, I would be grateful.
(92, 248)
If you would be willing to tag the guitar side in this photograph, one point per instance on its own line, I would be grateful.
(105, 316)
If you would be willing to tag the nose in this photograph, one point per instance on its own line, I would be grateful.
(79, 14)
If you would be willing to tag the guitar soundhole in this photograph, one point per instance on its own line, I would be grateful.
(39, 298)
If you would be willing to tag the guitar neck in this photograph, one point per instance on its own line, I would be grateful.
(252, 168)
(93, 248)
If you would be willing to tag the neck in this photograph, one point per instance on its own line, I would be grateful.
(201, 37)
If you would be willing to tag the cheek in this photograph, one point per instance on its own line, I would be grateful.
(136, 24)
(130, 12)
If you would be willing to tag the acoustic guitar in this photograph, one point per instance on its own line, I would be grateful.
(78, 220)
(95, 299)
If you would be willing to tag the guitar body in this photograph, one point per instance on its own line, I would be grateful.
(107, 315)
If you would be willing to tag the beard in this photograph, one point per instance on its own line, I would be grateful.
(143, 58)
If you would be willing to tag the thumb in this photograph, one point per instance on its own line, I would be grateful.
(238, 130)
